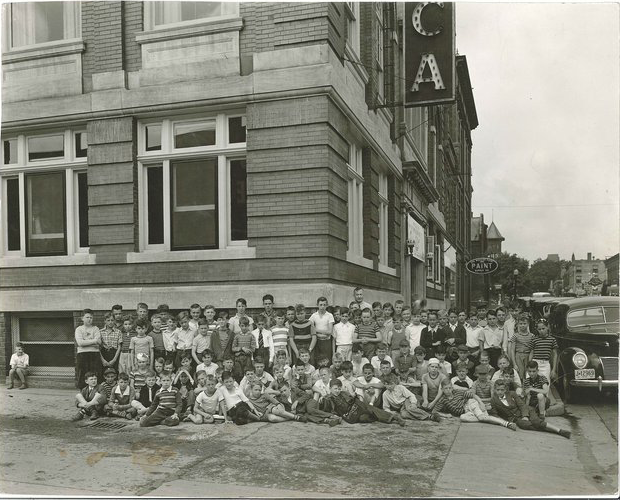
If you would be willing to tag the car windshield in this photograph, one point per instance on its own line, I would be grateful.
(592, 316)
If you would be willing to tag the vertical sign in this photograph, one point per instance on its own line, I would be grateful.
(429, 53)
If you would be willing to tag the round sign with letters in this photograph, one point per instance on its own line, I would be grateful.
(482, 265)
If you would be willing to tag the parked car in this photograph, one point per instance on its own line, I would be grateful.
(586, 330)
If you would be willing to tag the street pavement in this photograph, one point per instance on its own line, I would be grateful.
(43, 453)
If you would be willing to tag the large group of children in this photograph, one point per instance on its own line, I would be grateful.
(359, 363)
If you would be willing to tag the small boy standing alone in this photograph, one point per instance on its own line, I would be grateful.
(19, 366)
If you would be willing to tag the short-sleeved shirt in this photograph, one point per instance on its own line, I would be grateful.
(473, 336)
(127, 336)
(279, 336)
(233, 323)
(185, 338)
(536, 383)
(362, 392)
(368, 331)
(231, 398)
(358, 368)
(395, 399)
(376, 362)
(522, 341)
(492, 337)
(321, 387)
(110, 339)
(201, 342)
(142, 344)
(158, 339)
(542, 348)
(321, 322)
(433, 384)
(347, 385)
(22, 361)
(343, 333)
(208, 404)
(209, 370)
(139, 380)
(483, 391)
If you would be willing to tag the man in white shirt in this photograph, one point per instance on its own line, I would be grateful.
(358, 296)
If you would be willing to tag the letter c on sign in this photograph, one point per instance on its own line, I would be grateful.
(416, 19)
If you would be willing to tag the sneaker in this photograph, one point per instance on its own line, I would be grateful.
(435, 417)
(24, 386)
(301, 418)
(399, 420)
(128, 416)
(10, 387)
(564, 433)
(78, 416)
(94, 415)
(512, 426)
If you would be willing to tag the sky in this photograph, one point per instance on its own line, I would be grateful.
(545, 156)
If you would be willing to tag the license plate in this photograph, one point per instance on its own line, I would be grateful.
(585, 374)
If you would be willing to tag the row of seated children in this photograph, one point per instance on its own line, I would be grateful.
(382, 393)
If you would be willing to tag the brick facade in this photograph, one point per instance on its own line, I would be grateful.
(286, 72)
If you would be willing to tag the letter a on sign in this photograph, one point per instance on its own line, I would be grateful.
(428, 60)
(430, 53)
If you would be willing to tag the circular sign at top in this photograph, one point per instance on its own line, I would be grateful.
(595, 281)
(482, 265)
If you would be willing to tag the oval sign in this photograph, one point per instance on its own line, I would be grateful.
(482, 265)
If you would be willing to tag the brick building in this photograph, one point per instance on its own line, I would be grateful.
(580, 272)
(180, 152)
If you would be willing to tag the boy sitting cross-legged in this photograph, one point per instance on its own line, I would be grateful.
(119, 403)
(396, 398)
(146, 396)
(166, 406)
(206, 405)
(89, 400)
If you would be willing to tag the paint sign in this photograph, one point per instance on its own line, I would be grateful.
(430, 71)
(482, 265)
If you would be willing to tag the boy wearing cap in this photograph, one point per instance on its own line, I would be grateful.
(109, 376)
(404, 364)
(482, 385)
(431, 385)
(463, 358)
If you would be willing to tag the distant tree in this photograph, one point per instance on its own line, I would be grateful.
(542, 273)
(505, 274)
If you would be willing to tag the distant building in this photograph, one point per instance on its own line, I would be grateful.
(580, 273)
(486, 241)
(553, 257)
(611, 272)
(494, 241)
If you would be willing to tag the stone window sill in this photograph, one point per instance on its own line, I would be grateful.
(185, 30)
(43, 50)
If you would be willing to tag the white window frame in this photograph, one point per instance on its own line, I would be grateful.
(72, 29)
(224, 152)
(380, 52)
(352, 13)
(71, 166)
(383, 220)
(416, 120)
(170, 6)
(355, 205)
(430, 258)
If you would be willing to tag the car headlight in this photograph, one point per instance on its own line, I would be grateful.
(580, 360)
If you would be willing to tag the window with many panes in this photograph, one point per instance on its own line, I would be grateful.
(355, 202)
(417, 127)
(352, 12)
(44, 194)
(33, 23)
(383, 219)
(193, 183)
(158, 14)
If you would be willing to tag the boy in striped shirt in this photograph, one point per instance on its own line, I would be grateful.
(544, 350)
(166, 406)
(367, 334)
(280, 334)
(536, 388)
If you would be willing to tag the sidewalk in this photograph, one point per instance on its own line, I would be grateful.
(487, 460)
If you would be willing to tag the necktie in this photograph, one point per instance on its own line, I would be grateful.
(260, 339)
